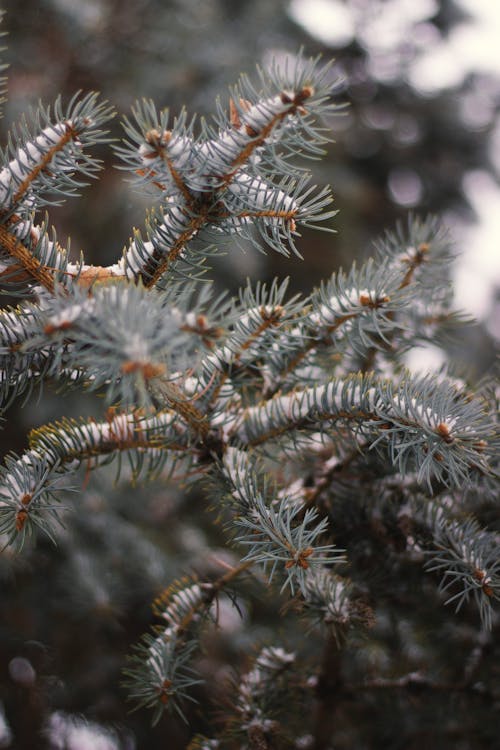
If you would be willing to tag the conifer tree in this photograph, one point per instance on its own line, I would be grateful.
(348, 499)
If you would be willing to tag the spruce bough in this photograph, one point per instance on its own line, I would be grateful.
(320, 454)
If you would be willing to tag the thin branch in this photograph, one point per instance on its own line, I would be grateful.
(16, 249)
(414, 262)
(159, 263)
(416, 681)
(259, 138)
(69, 135)
(268, 320)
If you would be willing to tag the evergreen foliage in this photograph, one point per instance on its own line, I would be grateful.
(340, 480)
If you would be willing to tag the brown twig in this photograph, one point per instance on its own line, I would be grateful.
(16, 249)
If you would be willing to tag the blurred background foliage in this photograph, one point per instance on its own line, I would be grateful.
(400, 145)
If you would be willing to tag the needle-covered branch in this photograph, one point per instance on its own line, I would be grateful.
(214, 181)
(47, 159)
(467, 558)
(276, 533)
(159, 675)
(422, 425)
(57, 450)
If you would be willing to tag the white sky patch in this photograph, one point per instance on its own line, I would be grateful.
(480, 38)
(471, 45)
(478, 267)
(330, 21)
(439, 69)
(422, 359)
(379, 24)
(384, 27)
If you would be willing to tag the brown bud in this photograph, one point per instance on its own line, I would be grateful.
(481, 577)
(148, 369)
(164, 696)
(62, 326)
(21, 518)
(444, 431)
(234, 115)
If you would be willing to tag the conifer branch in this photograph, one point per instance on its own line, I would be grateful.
(70, 440)
(442, 441)
(34, 269)
(158, 676)
(43, 166)
(331, 467)
(206, 178)
(467, 557)
(282, 538)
